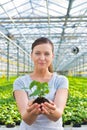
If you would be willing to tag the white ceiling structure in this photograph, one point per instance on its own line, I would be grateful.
(64, 22)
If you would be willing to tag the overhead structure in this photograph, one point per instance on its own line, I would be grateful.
(64, 22)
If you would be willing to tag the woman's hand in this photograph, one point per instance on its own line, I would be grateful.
(32, 111)
(50, 110)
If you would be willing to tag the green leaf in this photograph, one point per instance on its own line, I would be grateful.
(41, 88)
(36, 92)
(33, 83)
(46, 91)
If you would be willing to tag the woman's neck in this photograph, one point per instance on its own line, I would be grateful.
(42, 76)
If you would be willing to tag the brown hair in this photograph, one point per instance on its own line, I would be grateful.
(43, 40)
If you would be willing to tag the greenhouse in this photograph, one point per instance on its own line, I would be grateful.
(64, 22)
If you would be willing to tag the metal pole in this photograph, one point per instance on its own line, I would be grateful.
(24, 63)
(28, 65)
(7, 60)
(17, 61)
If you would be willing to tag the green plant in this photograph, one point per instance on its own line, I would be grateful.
(76, 104)
(41, 88)
(10, 123)
(76, 121)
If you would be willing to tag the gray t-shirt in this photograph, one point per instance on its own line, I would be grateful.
(42, 122)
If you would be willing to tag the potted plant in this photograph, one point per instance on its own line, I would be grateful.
(41, 89)
(77, 121)
(84, 118)
(10, 123)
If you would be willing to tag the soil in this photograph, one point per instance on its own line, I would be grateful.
(40, 100)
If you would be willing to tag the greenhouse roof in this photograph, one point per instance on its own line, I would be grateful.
(62, 21)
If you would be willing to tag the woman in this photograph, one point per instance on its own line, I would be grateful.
(45, 116)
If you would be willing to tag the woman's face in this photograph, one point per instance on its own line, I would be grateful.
(42, 56)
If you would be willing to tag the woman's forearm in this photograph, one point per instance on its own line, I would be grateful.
(28, 118)
(31, 113)
(51, 111)
(54, 115)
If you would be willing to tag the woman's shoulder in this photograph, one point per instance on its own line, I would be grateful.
(61, 81)
(23, 77)
(22, 81)
(59, 77)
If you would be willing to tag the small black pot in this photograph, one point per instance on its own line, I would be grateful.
(2, 123)
(18, 122)
(84, 122)
(68, 122)
(10, 125)
(76, 125)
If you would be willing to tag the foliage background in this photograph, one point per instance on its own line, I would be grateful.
(75, 111)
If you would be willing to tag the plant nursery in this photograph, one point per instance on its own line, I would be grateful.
(64, 22)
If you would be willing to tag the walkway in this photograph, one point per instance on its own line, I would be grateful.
(66, 128)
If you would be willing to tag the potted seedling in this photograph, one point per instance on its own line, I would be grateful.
(10, 123)
(41, 89)
(76, 121)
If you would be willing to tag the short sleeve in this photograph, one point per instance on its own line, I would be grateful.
(62, 82)
(18, 84)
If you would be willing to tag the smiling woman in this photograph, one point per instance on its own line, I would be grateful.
(61, 29)
(39, 115)
(42, 54)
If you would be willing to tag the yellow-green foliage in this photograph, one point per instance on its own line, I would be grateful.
(76, 108)
(75, 111)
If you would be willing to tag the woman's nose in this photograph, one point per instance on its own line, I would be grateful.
(42, 57)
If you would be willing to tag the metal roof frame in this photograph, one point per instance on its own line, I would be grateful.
(64, 22)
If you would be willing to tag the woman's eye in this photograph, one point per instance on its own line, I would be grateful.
(37, 53)
(47, 54)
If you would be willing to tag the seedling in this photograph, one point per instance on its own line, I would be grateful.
(41, 90)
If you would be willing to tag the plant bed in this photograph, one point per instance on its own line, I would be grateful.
(76, 104)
